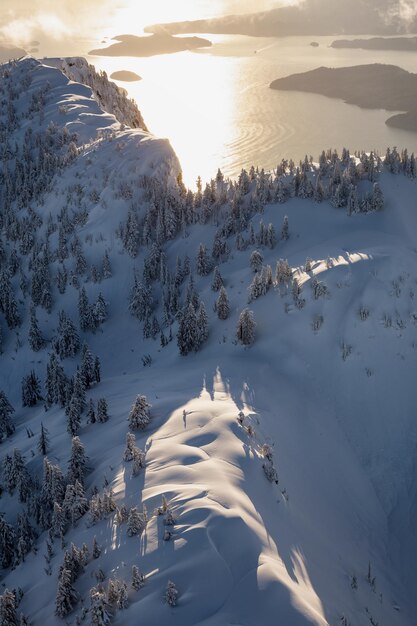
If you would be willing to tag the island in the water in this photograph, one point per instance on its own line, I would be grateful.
(125, 76)
(403, 44)
(133, 46)
(373, 86)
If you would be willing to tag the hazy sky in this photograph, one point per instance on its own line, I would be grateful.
(22, 21)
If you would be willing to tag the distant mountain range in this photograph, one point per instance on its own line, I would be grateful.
(313, 17)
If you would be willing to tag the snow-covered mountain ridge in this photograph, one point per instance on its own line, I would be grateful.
(95, 223)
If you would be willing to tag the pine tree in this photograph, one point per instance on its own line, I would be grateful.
(36, 340)
(217, 280)
(31, 390)
(77, 466)
(130, 446)
(138, 461)
(138, 579)
(188, 332)
(97, 370)
(256, 260)
(8, 615)
(102, 414)
(245, 331)
(106, 266)
(136, 522)
(202, 325)
(7, 427)
(67, 342)
(222, 305)
(139, 416)
(96, 551)
(203, 262)
(7, 543)
(66, 597)
(73, 412)
(43, 442)
(285, 229)
(100, 613)
(171, 594)
(59, 521)
(91, 415)
(87, 366)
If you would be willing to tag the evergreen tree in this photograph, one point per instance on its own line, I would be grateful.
(285, 229)
(96, 551)
(202, 325)
(140, 303)
(7, 427)
(91, 415)
(256, 260)
(67, 343)
(73, 412)
(222, 305)
(87, 366)
(217, 280)
(31, 390)
(139, 416)
(36, 340)
(8, 615)
(100, 614)
(245, 331)
(77, 466)
(130, 446)
(66, 597)
(136, 522)
(171, 594)
(138, 579)
(100, 310)
(102, 414)
(377, 198)
(58, 521)
(203, 262)
(97, 370)
(43, 442)
(106, 266)
(188, 332)
(7, 543)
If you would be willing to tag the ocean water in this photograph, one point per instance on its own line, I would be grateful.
(217, 109)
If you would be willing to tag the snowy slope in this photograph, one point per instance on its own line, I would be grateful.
(243, 550)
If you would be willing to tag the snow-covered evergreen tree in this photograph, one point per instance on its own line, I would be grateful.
(43, 441)
(31, 390)
(136, 522)
(138, 579)
(77, 466)
(7, 427)
(66, 597)
(245, 331)
(8, 614)
(36, 340)
(217, 281)
(222, 305)
(171, 594)
(139, 416)
(102, 411)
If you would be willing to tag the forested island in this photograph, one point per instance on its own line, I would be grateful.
(374, 86)
(133, 46)
(403, 44)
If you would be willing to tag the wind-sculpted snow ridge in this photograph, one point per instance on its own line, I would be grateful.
(109, 96)
(168, 456)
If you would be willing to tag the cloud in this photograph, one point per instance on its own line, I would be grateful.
(24, 20)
